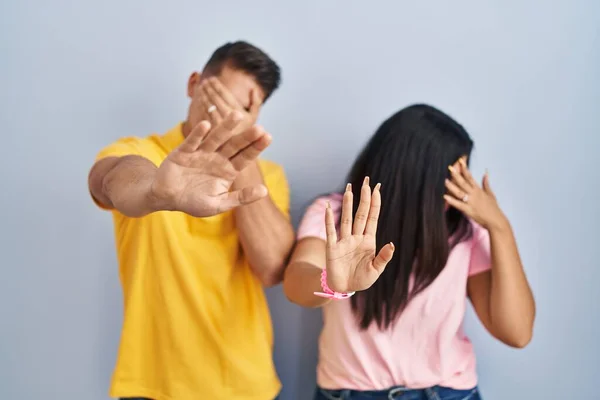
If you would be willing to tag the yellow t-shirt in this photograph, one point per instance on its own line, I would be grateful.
(196, 322)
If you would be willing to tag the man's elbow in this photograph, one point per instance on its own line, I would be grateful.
(273, 268)
(270, 273)
(271, 278)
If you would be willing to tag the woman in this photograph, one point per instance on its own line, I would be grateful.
(441, 237)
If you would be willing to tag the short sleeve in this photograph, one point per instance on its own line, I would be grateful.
(481, 259)
(277, 185)
(123, 147)
(313, 221)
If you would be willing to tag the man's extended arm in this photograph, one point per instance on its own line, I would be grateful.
(266, 233)
(124, 183)
(195, 178)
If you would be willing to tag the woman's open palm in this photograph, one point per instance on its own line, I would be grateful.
(352, 263)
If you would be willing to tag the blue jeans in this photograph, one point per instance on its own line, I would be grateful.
(399, 393)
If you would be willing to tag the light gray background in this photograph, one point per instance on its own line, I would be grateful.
(523, 77)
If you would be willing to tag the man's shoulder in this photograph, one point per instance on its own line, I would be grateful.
(151, 147)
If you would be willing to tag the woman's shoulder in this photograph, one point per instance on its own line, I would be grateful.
(320, 203)
(313, 221)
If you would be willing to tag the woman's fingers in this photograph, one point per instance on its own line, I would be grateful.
(371, 228)
(485, 183)
(383, 257)
(454, 190)
(458, 204)
(360, 219)
(330, 226)
(457, 178)
(346, 218)
(466, 173)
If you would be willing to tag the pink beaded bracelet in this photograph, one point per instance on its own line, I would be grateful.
(328, 293)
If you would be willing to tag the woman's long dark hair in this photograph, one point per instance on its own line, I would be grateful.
(409, 155)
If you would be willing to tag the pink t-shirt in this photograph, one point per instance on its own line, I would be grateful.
(424, 347)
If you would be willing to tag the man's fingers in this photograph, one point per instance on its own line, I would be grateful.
(220, 134)
(360, 219)
(346, 218)
(213, 98)
(224, 93)
(371, 228)
(241, 141)
(330, 226)
(255, 104)
(206, 110)
(194, 139)
(383, 257)
(237, 198)
(249, 154)
(214, 115)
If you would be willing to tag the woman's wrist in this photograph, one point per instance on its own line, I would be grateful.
(327, 292)
(500, 224)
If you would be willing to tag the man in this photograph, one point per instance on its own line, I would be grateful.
(197, 237)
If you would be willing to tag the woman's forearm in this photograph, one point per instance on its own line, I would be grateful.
(512, 306)
(301, 280)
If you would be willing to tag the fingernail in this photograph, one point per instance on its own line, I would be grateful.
(451, 168)
(366, 181)
(393, 247)
(378, 186)
(348, 187)
(328, 204)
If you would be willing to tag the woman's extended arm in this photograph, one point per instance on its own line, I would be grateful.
(351, 262)
(303, 274)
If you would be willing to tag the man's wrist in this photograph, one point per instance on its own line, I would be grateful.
(154, 202)
(251, 175)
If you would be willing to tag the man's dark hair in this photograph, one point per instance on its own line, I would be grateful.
(245, 57)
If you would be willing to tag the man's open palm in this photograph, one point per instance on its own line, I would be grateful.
(195, 178)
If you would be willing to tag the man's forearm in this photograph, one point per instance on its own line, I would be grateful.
(126, 186)
(266, 234)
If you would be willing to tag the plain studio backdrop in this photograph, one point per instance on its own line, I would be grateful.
(523, 77)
